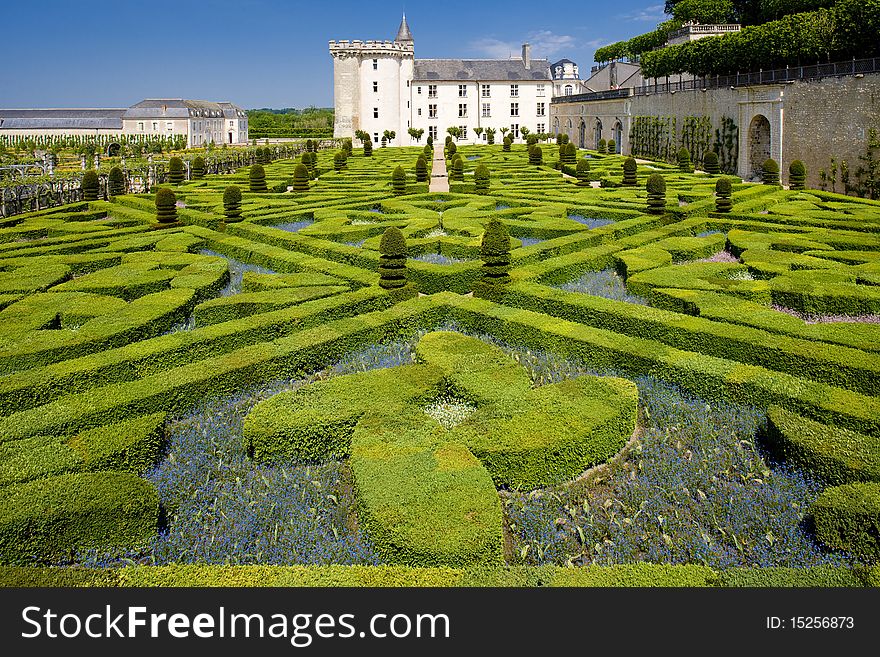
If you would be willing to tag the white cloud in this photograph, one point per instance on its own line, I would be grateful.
(653, 14)
(544, 44)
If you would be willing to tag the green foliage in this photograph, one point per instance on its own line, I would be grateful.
(536, 155)
(710, 163)
(398, 181)
(421, 169)
(603, 147)
(654, 137)
(90, 186)
(339, 161)
(176, 171)
(611, 147)
(582, 172)
(257, 178)
(481, 179)
(197, 168)
(684, 161)
(166, 206)
(656, 186)
(490, 136)
(115, 182)
(232, 203)
(797, 175)
(629, 172)
(451, 149)
(506, 144)
(770, 172)
(568, 154)
(495, 252)
(300, 179)
(848, 518)
(637, 45)
(368, 147)
(392, 261)
(707, 12)
(285, 123)
(722, 195)
(456, 172)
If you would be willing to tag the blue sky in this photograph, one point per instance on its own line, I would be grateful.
(268, 53)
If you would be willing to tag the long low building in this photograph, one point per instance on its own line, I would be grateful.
(200, 121)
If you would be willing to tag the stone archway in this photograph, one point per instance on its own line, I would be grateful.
(617, 135)
(598, 134)
(582, 135)
(113, 149)
(759, 143)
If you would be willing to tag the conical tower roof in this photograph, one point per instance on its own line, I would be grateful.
(403, 33)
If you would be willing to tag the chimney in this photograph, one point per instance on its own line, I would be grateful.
(527, 55)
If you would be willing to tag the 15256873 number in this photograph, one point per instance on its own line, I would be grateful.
(822, 622)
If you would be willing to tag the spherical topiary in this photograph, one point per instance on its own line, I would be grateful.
(232, 203)
(684, 161)
(197, 168)
(561, 139)
(603, 147)
(457, 173)
(398, 180)
(339, 161)
(612, 147)
(176, 171)
(568, 153)
(421, 169)
(116, 182)
(536, 155)
(629, 171)
(582, 172)
(770, 172)
(656, 186)
(532, 140)
(506, 144)
(711, 164)
(722, 195)
(257, 178)
(481, 179)
(392, 259)
(368, 148)
(300, 178)
(797, 175)
(490, 137)
(90, 186)
(166, 206)
(495, 252)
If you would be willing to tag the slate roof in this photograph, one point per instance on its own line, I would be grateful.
(428, 70)
(59, 119)
(403, 33)
(179, 108)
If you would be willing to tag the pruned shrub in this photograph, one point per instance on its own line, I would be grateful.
(339, 161)
(506, 144)
(368, 147)
(300, 178)
(197, 168)
(116, 182)
(612, 147)
(770, 172)
(582, 172)
(722, 195)
(421, 169)
(532, 140)
(797, 175)
(536, 155)
(568, 154)
(166, 206)
(684, 161)
(656, 186)
(428, 152)
(176, 171)
(495, 253)
(398, 181)
(457, 173)
(603, 147)
(90, 186)
(232, 203)
(711, 164)
(848, 518)
(629, 172)
(481, 179)
(451, 148)
(257, 178)
(392, 259)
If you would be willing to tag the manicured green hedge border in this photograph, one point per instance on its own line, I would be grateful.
(848, 518)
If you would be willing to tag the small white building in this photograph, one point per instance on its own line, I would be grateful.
(379, 86)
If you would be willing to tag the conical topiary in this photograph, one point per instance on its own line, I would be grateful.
(300, 178)
(166, 206)
(347, 147)
(568, 153)
(797, 175)
(257, 178)
(506, 144)
(656, 186)
(582, 172)
(428, 152)
(451, 149)
(457, 173)
(116, 182)
(536, 156)
(392, 259)
(495, 252)
(684, 161)
(176, 171)
(629, 172)
(722, 195)
(197, 168)
(232, 203)
(90, 186)
(339, 161)
(398, 181)
(481, 179)
(603, 147)
(611, 147)
(711, 164)
(421, 169)
(368, 148)
(770, 172)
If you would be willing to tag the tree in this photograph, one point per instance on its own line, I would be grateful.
(612, 147)
(398, 181)
(257, 178)
(706, 12)
(656, 186)
(421, 169)
(363, 136)
(116, 182)
(478, 132)
(300, 178)
(428, 152)
(629, 172)
(490, 136)
(770, 172)
(392, 259)
(197, 168)
(481, 179)
(416, 133)
(90, 186)
(722, 195)
(454, 132)
(232, 203)
(568, 153)
(430, 142)
(176, 173)
(166, 206)
(504, 131)
(582, 172)
(797, 175)
(524, 131)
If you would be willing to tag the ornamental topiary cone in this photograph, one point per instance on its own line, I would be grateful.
(300, 178)
(232, 203)
(582, 171)
(656, 186)
(257, 178)
(571, 153)
(495, 252)
(612, 147)
(506, 144)
(392, 259)
(711, 164)
(629, 172)
(197, 168)
(536, 155)
(770, 172)
(481, 179)
(421, 169)
(797, 175)
(398, 181)
(684, 161)
(116, 182)
(451, 149)
(603, 147)
(368, 148)
(457, 169)
(166, 206)
(176, 171)
(722, 195)
(339, 161)
(428, 152)
(90, 186)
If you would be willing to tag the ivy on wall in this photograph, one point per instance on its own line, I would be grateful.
(654, 137)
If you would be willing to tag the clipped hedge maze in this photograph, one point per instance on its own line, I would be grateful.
(113, 323)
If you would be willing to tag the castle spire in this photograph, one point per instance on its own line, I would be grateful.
(403, 33)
